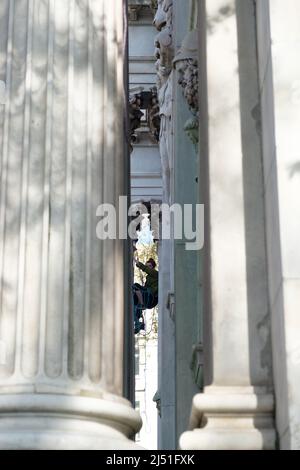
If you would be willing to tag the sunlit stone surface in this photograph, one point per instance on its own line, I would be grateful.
(61, 323)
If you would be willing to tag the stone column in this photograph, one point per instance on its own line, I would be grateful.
(278, 45)
(61, 319)
(237, 406)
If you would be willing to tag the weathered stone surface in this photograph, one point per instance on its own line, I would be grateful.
(280, 115)
(238, 394)
(61, 324)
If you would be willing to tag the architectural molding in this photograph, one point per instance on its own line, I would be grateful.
(61, 422)
(225, 418)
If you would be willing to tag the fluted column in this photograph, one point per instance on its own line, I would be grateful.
(61, 144)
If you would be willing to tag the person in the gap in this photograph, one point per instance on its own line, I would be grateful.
(145, 297)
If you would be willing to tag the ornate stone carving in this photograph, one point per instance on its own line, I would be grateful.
(135, 115)
(166, 137)
(191, 127)
(186, 64)
(164, 54)
(163, 41)
(160, 17)
(189, 81)
(146, 101)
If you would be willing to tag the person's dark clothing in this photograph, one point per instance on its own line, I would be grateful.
(151, 279)
(149, 293)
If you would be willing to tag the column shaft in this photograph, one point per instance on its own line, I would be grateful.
(61, 323)
(236, 409)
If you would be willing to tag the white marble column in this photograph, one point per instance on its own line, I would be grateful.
(61, 144)
(237, 406)
(278, 41)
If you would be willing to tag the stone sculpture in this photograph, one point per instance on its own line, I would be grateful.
(164, 53)
(186, 63)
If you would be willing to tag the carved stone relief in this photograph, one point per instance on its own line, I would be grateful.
(165, 138)
(186, 64)
(163, 40)
(144, 105)
(164, 54)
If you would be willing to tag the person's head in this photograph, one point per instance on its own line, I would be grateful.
(151, 263)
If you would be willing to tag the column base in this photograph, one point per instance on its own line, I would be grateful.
(231, 419)
(66, 422)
